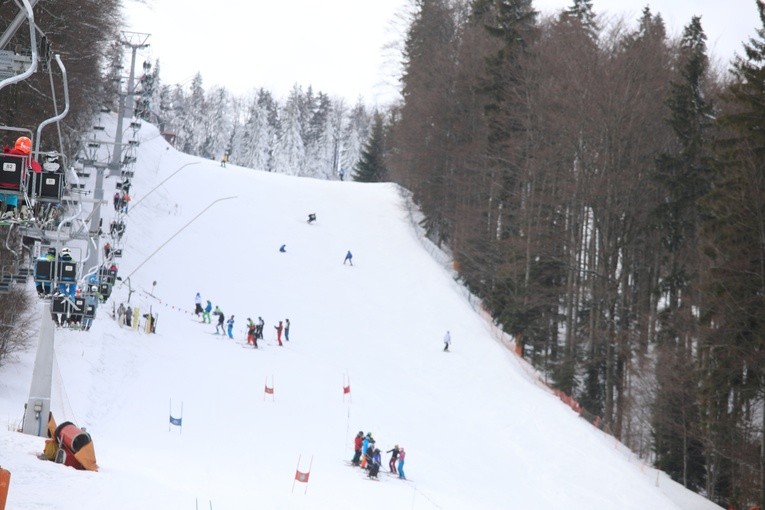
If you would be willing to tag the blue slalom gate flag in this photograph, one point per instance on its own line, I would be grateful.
(178, 422)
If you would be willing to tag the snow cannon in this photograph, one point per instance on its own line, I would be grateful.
(75, 447)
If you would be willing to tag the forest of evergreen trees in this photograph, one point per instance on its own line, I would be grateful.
(309, 135)
(602, 190)
(601, 187)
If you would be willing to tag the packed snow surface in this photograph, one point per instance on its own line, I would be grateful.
(481, 431)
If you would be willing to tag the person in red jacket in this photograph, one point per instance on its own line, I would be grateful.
(279, 329)
(22, 147)
(357, 442)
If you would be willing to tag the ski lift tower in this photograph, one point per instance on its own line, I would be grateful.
(135, 41)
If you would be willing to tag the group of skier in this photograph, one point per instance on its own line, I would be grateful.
(368, 456)
(226, 327)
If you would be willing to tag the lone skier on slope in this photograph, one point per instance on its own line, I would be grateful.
(348, 258)
(447, 341)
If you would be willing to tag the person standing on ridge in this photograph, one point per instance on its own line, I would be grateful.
(279, 329)
(447, 341)
(230, 327)
(348, 258)
(287, 329)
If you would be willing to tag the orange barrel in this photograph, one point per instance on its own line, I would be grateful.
(5, 481)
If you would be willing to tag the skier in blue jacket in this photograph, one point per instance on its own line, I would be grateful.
(230, 326)
(206, 312)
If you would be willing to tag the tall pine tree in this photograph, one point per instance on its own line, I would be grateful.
(371, 166)
(735, 236)
(683, 178)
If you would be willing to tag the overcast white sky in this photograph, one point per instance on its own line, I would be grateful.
(338, 45)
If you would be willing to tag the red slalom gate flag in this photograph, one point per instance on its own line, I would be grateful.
(302, 477)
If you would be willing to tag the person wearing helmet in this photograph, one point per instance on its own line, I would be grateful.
(67, 286)
(91, 302)
(375, 463)
(357, 444)
(366, 444)
(22, 147)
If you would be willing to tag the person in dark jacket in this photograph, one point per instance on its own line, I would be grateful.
(259, 332)
(221, 321)
(375, 463)
(393, 457)
(357, 442)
